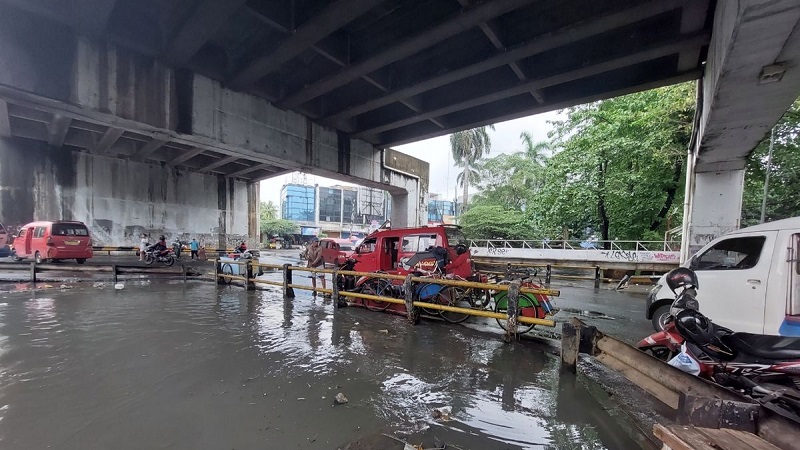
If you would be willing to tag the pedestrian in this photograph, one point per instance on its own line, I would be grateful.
(194, 246)
(142, 246)
(315, 260)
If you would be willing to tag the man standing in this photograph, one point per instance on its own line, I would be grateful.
(315, 260)
(142, 246)
(194, 246)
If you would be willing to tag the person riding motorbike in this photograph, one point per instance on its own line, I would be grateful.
(160, 247)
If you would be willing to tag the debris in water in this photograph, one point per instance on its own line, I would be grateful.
(341, 399)
(383, 331)
(119, 286)
(300, 398)
(99, 285)
(442, 414)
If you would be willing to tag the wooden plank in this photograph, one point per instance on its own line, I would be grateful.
(749, 440)
(679, 438)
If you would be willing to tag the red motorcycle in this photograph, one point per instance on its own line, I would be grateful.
(764, 367)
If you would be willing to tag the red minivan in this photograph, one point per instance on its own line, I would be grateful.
(53, 241)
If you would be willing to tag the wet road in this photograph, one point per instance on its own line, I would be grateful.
(192, 366)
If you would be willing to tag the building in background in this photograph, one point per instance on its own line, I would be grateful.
(335, 211)
(441, 211)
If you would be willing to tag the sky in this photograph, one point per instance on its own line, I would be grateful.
(436, 151)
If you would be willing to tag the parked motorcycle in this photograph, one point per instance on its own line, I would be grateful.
(764, 367)
(165, 257)
(177, 246)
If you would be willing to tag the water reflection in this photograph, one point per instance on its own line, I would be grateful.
(161, 366)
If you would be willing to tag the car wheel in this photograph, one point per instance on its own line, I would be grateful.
(81, 260)
(660, 316)
(38, 258)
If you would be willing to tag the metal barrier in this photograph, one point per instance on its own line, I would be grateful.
(115, 270)
(597, 275)
(245, 274)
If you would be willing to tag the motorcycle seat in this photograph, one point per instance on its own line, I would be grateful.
(764, 346)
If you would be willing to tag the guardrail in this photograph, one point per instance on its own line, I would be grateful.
(248, 268)
(557, 244)
(115, 270)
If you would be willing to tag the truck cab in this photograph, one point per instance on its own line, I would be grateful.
(403, 250)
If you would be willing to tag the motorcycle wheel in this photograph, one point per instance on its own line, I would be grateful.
(660, 352)
(169, 260)
(379, 288)
(148, 258)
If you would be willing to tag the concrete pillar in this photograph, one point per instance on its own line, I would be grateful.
(715, 207)
(254, 212)
(316, 205)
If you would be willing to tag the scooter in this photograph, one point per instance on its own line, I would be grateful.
(764, 367)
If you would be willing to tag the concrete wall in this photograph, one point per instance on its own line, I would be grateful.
(120, 199)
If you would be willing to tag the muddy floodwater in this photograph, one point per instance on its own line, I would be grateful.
(173, 366)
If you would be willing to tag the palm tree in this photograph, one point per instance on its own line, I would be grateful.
(468, 147)
(535, 151)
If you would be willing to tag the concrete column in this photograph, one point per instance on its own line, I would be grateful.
(715, 207)
(400, 211)
(316, 205)
(253, 212)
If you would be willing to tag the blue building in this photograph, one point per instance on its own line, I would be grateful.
(440, 211)
(297, 203)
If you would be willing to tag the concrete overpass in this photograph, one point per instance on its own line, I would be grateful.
(161, 115)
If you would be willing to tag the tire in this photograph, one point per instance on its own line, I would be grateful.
(501, 306)
(38, 258)
(227, 269)
(15, 257)
(659, 317)
(376, 287)
(148, 258)
(659, 352)
(170, 260)
(81, 260)
(433, 299)
(452, 296)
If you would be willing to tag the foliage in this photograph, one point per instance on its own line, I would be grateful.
(784, 181)
(468, 147)
(278, 227)
(495, 222)
(619, 168)
(268, 211)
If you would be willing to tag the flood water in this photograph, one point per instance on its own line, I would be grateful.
(174, 366)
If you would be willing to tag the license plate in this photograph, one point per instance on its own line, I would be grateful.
(72, 242)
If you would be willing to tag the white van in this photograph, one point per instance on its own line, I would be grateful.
(749, 280)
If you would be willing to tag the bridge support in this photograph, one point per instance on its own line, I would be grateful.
(715, 208)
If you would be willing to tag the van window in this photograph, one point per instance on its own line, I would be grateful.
(368, 246)
(731, 254)
(38, 232)
(418, 242)
(455, 236)
(70, 229)
(21, 233)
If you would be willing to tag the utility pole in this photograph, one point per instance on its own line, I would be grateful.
(766, 178)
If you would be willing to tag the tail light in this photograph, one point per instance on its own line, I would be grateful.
(89, 242)
(50, 240)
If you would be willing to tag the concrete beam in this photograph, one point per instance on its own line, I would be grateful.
(247, 170)
(57, 130)
(204, 22)
(218, 163)
(334, 16)
(549, 41)
(421, 41)
(521, 88)
(186, 156)
(148, 149)
(492, 32)
(5, 120)
(109, 138)
(91, 16)
(398, 137)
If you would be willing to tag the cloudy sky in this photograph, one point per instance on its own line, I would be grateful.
(436, 151)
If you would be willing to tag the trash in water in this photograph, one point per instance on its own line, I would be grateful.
(383, 331)
(442, 414)
(99, 285)
(341, 399)
(119, 286)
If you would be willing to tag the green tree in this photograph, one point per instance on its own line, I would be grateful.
(278, 227)
(535, 151)
(784, 181)
(268, 211)
(495, 222)
(619, 164)
(468, 147)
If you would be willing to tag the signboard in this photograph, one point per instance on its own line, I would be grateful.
(309, 231)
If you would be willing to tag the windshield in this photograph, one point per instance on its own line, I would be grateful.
(455, 236)
(346, 248)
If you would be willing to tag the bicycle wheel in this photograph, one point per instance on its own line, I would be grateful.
(525, 301)
(450, 296)
(228, 270)
(428, 293)
(376, 287)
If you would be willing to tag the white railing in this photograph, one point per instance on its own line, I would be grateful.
(554, 244)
